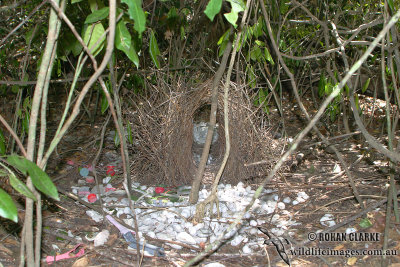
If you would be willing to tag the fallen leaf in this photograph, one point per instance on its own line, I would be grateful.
(82, 262)
(352, 261)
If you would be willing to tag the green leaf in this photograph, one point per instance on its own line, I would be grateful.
(8, 209)
(129, 132)
(391, 6)
(97, 15)
(2, 144)
(15, 88)
(255, 53)
(123, 41)
(104, 103)
(222, 42)
(92, 38)
(17, 184)
(366, 84)
(123, 38)
(268, 56)
(21, 187)
(283, 7)
(154, 51)
(16, 162)
(213, 8)
(237, 6)
(75, 1)
(365, 223)
(356, 101)
(137, 14)
(25, 123)
(116, 139)
(321, 86)
(39, 178)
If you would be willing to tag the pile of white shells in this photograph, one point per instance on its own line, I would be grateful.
(173, 222)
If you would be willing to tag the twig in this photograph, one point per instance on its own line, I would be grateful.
(136, 223)
(23, 22)
(14, 135)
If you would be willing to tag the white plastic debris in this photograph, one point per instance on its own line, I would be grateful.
(101, 238)
(97, 217)
(351, 230)
(106, 180)
(336, 168)
(328, 220)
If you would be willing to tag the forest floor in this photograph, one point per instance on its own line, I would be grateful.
(318, 174)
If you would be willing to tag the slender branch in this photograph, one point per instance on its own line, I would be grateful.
(14, 135)
(23, 22)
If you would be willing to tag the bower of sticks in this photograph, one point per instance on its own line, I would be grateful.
(162, 117)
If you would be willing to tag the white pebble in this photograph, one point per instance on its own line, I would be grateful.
(253, 223)
(246, 249)
(151, 234)
(253, 231)
(186, 238)
(175, 246)
(277, 231)
(287, 200)
(237, 240)
(214, 264)
(281, 205)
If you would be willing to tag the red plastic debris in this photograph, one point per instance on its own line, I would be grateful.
(110, 170)
(159, 190)
(92, 198)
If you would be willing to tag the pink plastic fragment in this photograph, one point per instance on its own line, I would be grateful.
(73, 253)
(89, 179)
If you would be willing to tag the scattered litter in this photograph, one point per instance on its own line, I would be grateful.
(73, 253)
(101, 190)
(336, 168)
(101, 238)
(174, 221)
(92, 198)
(351, 230)
(110, 170)
(159, 190)
(83, 191)
(94, 215)
(130, 238)
(107, 180)
(328, 220)
(89, 179)
(84, 172)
